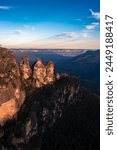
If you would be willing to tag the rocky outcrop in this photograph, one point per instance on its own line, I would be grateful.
(12, 94)
(43, 74)
(49, 72)
(17, 81)
(61, 116)
(58, 116)
(25, 68)
(40, 74)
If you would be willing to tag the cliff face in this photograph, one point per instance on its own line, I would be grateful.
(12, 94)
(16, 79)
(61, 116)
(43, 74)
(40, 74)
(56, 115)
(25, 68)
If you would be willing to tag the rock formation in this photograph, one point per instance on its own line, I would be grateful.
(49, 72)
(12, 95)
(39, 75)
(58, 116)
(25, 68)
(61, 116)
(43, 74)
(16, 80)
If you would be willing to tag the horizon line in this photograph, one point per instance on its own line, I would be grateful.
(58, 48)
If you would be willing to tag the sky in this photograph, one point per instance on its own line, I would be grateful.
(50, 24)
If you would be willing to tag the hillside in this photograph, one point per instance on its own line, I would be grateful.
(57, 117)
(41, 110)
(85, 66)
(12, 94)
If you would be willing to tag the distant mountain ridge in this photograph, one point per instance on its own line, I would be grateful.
(62, 52)
(91, 56)
(86, 66)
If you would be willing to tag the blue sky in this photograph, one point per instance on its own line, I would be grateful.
(49, 23)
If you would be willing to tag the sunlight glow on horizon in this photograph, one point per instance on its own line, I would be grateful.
(57, 26)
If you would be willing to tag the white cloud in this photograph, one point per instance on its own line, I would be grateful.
(29, 27)
(95, 15)
(92, 25)
(65, 35)
(5, 7)
(18, 32)
(95, 24)
(85, 35)
(26, 26)
(89, 27)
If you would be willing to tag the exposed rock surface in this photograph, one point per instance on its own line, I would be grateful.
(40, 74)
(58, 116)
(17, 81)
(61, 116)
(25, 68)
(12, 95)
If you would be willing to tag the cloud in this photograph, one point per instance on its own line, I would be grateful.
(5, 7)
(66, 36)
(18, 32)
(92, 25)
(95, 23)
(95, 15)
(29, 27)
(85, 35)
(26, 26)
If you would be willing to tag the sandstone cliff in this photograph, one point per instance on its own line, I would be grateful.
(39, 75)
(17, 81)
(60, 116)
(25, 68)
(12, 95)
(56, 115)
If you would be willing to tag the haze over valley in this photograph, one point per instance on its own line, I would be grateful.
(82, 63)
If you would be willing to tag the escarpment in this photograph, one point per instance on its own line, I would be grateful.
(41, 110)
(58, 116)
(16, 79)
(12, 94)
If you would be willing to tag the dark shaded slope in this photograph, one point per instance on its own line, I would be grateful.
(89, 56)
(56, 117)
(86, 66)
(78, 128)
